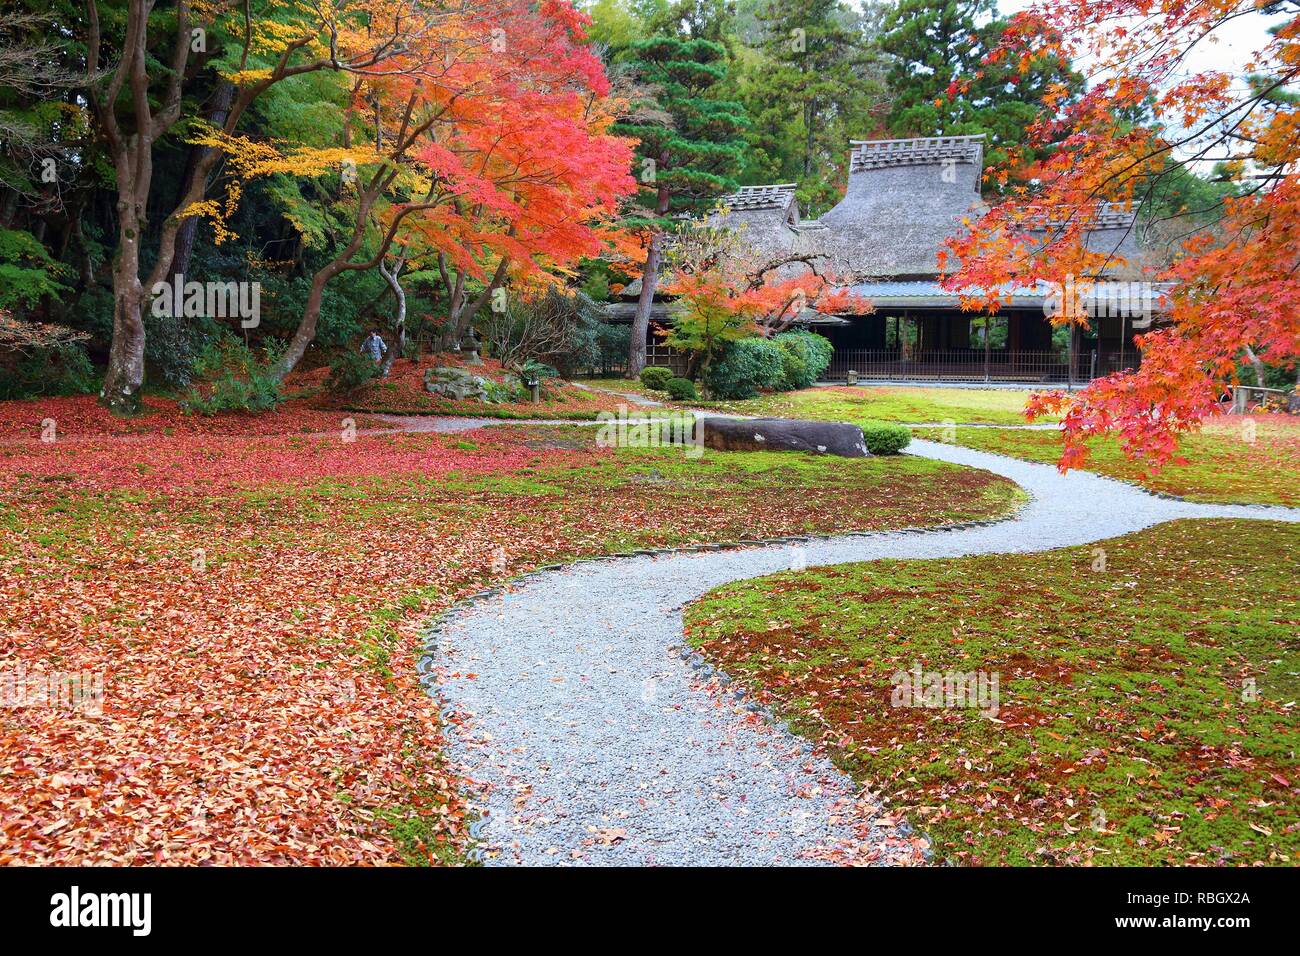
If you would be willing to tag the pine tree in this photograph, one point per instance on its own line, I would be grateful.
(941, 84)
(813, 87)
(690, 148)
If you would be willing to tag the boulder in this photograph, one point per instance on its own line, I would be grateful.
(1293, 403)
(784, 434)
(456, 383)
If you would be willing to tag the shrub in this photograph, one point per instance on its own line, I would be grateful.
(805, 356)
(58, 370)
(503, 393)
(681, 389)
(558, 327)
(236, 378)
(349, 371)
(534, 371)
(886, 439)
(746, 366)
(173, 345)
(539, 372)
(656, 377)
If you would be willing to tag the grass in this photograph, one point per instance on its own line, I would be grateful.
(865, 404)
(1127, 731)
(1229, 461)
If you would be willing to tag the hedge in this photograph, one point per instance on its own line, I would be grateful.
(886, 439)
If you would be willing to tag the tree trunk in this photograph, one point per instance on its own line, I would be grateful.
(636, 355)
(463, 311)
(133, 164)
(189, 228)
(1255, 364)
(125, 375)
(306, 332)
(399, 344)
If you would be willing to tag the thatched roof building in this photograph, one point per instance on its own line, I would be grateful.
(904, 199)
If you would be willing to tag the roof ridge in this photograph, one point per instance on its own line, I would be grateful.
(1109, 214)
(771, 196)
(919, 139)
(866, 154)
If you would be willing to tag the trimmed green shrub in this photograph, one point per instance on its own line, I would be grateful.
(886, 439)
(805, 356)
(655, 377)
(746, 366)
(681, 389)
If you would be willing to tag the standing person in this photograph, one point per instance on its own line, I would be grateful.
(374, 346)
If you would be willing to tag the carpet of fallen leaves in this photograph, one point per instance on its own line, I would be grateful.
(252, 602)
(1147, 706)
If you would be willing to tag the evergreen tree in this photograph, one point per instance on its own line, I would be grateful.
(690, 148)
(941, 84)
(811, 86)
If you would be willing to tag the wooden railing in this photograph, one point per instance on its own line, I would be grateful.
(973, 366)
(967, 366)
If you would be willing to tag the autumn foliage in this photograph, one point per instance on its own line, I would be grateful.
(1232, 283)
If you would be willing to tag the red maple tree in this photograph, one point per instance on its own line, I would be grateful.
(1233, 284)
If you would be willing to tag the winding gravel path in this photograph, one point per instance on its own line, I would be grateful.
(590, 740)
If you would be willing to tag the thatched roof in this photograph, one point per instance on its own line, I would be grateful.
(766, 216)
(1111, 230)
(904, 198)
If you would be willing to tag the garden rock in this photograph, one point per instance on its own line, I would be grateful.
(784, 434)
(455, 383)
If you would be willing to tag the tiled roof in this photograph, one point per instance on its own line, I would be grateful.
(922, 293)
(777, 196)
(923, 151)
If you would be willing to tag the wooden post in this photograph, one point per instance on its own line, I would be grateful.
(1123, 334)
(1071, 349)
(987, 335)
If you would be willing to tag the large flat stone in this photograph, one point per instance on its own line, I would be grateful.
(784, 434)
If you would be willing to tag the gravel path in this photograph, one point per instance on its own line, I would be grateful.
(589, 739)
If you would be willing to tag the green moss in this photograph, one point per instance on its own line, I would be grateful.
(1125, 732)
